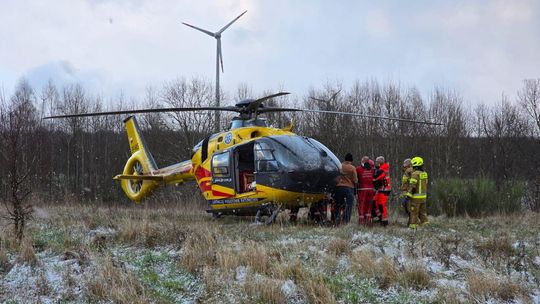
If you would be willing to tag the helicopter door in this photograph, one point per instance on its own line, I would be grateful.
(223, 174)
(243, 156)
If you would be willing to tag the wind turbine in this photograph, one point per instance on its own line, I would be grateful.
(219, 57)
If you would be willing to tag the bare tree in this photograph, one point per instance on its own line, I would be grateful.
(17, 125)
(529, 98)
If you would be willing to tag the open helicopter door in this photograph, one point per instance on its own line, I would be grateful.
(245, 168)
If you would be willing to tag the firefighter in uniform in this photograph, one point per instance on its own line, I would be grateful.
(417, 193)
(407, 171)
(381, 182)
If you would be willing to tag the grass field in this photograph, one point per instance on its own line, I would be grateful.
(140, 254)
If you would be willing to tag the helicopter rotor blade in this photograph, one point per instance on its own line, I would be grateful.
(200, 29)
(229, 24)
(254, 106)
(142, 111)
(266, 110)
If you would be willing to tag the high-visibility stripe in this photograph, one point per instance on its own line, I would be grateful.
(419, 195)
(413, 180)
(404, 179)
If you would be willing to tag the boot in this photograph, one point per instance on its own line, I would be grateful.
(384, 223)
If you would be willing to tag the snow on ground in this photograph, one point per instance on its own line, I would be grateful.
(52, 280)
(61, 277)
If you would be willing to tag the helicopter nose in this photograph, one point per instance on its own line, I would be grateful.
(314, 180)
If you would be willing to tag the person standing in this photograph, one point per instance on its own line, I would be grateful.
(345, 184)
(417, 193)
(381, 182)
(407, 171)
(365, 192)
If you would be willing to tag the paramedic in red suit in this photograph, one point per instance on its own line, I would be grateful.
(381, 182)
(365, 190)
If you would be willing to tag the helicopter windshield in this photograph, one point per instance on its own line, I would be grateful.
(297, 152)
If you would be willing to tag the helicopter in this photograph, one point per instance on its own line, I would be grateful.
(249, 169)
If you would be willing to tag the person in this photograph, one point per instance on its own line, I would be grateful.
(417, 193)
(381, 183)
(407, 171)
(365, 192)
(345, 184)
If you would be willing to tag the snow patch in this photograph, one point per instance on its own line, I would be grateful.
(241, 274)
(288, 288)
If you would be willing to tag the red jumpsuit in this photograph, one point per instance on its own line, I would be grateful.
(365, 192)
(381, 182)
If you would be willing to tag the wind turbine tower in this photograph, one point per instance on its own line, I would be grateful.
(219, 59)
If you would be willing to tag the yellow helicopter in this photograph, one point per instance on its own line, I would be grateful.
(250, 169)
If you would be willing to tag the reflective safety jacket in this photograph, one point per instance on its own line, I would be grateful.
(405, 178)
(381, 178)
(365, 177)
(418, 184)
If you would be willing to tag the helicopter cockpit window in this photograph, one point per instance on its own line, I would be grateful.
(220, 165)
(264, 158)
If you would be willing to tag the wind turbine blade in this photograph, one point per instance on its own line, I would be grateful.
(229, 24)
(200, 29)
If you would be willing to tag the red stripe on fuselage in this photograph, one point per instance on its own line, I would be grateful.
(219, 193)
(201, 173)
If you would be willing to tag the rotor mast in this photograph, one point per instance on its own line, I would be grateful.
(219, 61)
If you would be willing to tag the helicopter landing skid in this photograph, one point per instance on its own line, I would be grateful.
(271, 211)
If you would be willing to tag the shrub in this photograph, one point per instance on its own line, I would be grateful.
(474, 197)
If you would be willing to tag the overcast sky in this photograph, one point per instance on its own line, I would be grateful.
(478, 48)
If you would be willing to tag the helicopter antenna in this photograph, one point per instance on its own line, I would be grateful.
(219, 59)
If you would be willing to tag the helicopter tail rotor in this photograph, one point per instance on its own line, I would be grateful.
(135, 179)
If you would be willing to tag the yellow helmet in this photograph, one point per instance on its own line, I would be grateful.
(417, 161)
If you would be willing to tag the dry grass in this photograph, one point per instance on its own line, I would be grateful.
(415, 277)
(383, 271)
(256, 257)
(498, 246)
(363, 263)
(312, 257)
(317, 291)
(27, 253)
(482, 287)
(448, 295)
(289, 271)
(5, 266)
(201, 248)
(261, 290)
(150, 233)
(43, 287)
(388, 274)
(339, 247)
(113, 282)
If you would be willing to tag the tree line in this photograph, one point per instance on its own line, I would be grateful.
(76, 158)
